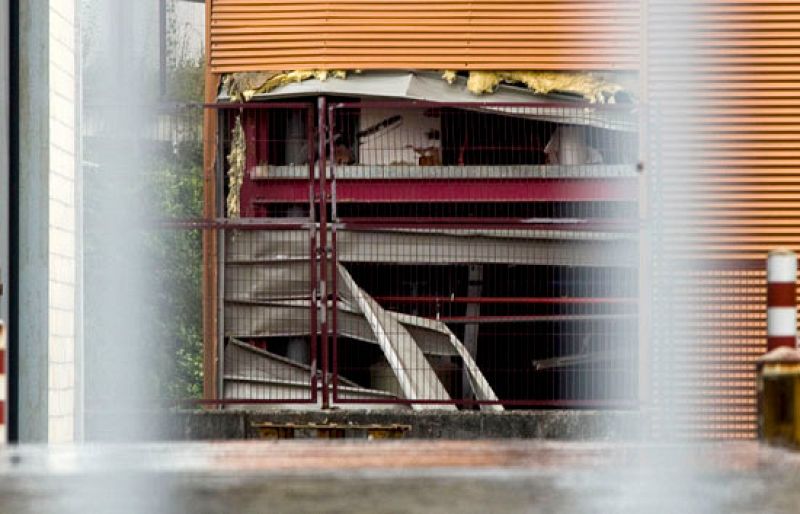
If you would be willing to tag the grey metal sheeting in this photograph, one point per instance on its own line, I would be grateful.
(273, 320)
(524, 247)
(251, 373)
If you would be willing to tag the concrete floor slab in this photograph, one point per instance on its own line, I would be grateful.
(399, 476)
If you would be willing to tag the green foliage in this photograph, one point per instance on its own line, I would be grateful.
(143, 165)
(179, 188)
(186, 82)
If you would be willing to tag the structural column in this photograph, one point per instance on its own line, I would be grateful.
(211, 343)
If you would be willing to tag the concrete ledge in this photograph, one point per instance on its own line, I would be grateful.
(542, 424)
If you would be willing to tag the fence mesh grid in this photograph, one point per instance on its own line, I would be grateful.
(483, 255)
(465, 262)
(447, 255)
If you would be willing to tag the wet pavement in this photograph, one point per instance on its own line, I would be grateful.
(399, 476)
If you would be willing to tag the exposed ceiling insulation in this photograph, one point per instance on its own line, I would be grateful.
(588, 86)
(432, 87)
(236, 169)
(591, 87)
(243, 86)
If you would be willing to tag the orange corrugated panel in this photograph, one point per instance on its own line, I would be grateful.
(249, 35)
(742, 137)
(740, 149)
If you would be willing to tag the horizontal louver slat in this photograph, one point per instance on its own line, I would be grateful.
(257, 35)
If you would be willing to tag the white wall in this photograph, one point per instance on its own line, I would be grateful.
(47, 221)
(62, 222)
(392, 145)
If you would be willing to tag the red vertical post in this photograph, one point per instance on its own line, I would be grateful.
(323, 244)
(3, 382)
(262, 134)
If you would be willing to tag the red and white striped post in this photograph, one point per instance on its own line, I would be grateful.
(781, 299)
(3, 385)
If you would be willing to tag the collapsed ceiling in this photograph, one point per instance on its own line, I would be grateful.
(589, 87)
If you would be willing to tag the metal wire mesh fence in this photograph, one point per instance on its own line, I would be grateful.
(270, 268)
(270, 319)
(449, 256)
(418, 255)
(488, 251)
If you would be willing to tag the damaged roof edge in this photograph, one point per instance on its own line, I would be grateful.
(433, 87)
(502, 86)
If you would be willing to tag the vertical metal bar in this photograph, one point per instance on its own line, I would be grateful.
(334, 261)
(312, 251)
(223, 120)
(263, 128)
(323, 244)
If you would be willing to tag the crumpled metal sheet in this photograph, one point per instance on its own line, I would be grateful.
(591, 87)
(465, 246)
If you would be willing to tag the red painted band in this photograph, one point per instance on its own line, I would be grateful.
(778, 341)
(781, 294)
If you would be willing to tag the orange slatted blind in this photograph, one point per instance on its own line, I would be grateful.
(260, 35)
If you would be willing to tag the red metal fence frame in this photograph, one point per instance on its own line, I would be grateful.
(440, 190)
(312, 194)
(322, 193)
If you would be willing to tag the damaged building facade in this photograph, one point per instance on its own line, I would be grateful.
(438, 205)
(418, 236)
(474, 251)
